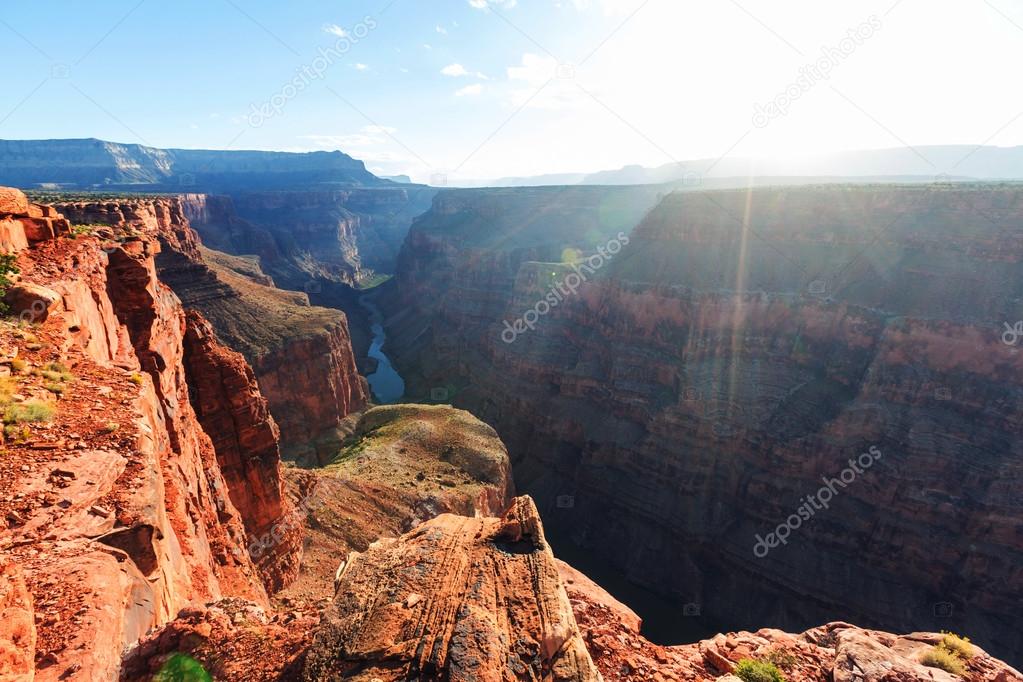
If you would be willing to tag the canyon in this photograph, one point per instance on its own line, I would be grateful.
(678, 395)
(658, 418)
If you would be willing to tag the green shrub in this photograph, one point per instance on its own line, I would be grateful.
(955, 644)
(182, 668)
(55, 388)
(749, 670)
(28, 411)
(7, 267)
(135, 378)
(949, 661)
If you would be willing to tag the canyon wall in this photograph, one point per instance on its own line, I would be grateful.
(301, 354)
(727, 359)
(305, 238)
(119, 512)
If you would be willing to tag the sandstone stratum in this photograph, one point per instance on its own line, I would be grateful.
(734, 355)
(149, 528)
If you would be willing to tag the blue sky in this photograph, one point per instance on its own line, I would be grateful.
(489, 88)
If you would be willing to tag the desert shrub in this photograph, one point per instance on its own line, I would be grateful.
(943, 659)
(955, 644)
(28, 411)
(781, 658)
(17, 433)
(18, 365)
(749, 670)
(7, 267)
(55, 388)
(182, 668)
(135, 378)
(111, 427)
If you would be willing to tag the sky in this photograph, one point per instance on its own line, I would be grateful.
(444, 90)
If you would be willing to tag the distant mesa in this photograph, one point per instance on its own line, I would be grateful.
(97, 164)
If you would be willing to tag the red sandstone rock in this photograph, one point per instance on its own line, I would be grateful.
(232, 410)
(13, 201)
(17, 625)
(466, 600)
(116, 511)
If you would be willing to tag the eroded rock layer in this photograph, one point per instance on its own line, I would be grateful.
(301, 354)
(728, 362)
(466, 600)
(117, 512)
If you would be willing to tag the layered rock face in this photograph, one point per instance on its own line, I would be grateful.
(308, 237)
(468, 600)
(232, 410)
(402, 465)
(301, 354)
(728, 362)
(118, 512)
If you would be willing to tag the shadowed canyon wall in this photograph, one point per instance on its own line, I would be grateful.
(727, 362)
(301, 354)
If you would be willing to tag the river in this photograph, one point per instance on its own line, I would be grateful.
(386, 384)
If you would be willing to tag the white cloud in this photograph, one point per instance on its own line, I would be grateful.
(484, 4)
(359, 66)
(454, 70)
(336, 30)
(470, 90)
(534, 69)
(440, 29)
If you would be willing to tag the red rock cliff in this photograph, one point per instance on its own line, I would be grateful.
(706, 379)
(301, 355)
(119, 513)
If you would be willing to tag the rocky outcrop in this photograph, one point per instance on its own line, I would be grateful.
(118, 513)
(730, 361)
(467, 600)
(245, 437)
(402, 465)
(301, 354)
(828, 653)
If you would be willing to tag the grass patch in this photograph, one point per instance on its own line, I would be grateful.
(55, 388)
(7, 267)
(18, 366)
(749, 670)
(135, 378)
(943, 659)
(955, 644)
(30, 411)
(17, 433)
(785, 660)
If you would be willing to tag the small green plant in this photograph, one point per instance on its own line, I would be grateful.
(749, 670)
(182, 668)
(55, 372)
(55, 388)
(135, 378)
(955, 644)
(781, 658)
(111, 427)
(943, 659)
(7, 267)
(28, 411)
(16, 433)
